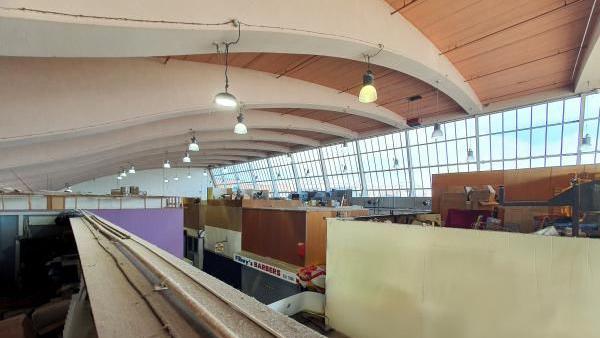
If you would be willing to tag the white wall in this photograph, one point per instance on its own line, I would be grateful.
(151, 181)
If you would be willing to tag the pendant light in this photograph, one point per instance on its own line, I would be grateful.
(240, 128)
(437, 131)
(189, 175)
(167, 164)
(437, 128)
(119, 177)
(193, 146)
(470, 156)
(586, 142)
(166, 180)
(396, 162)
(226, 99)
(368, 92)
(345, 168)
(205, 173)
(186, 158)
(132, 170)
(176, 178)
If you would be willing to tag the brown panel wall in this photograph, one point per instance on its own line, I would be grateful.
(538, 184)
(274, 233)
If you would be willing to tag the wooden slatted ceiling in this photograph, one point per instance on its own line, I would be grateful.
(504, 49)
(393, 88)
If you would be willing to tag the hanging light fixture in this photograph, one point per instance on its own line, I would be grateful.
(176, 178)
(119, 177)
(193, 146)
(586, 142)
(437, 131)
(240, 128)
(396, 162)
(205, 173)
(437, 128)
(226, 99)
(124, 173)
(186, 158)
(470, 156)
(368, 92)
(166, 180)
(68, 188)
(132, 169)
(345, 168)
(189, 175)
(167, 164)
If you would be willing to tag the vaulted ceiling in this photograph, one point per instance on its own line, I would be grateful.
(89, 88)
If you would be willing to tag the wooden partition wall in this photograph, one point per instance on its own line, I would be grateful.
(538, 184)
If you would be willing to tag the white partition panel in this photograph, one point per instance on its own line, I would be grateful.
(390, 280)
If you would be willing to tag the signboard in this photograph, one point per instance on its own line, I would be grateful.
(266, 268)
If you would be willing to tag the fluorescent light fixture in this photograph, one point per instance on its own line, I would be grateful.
(186, 158)
(193, 146)
(167, 164)
(240, 128)
(368, 92)
(437, 131)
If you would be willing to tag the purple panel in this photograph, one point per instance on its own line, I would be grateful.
(161, 227)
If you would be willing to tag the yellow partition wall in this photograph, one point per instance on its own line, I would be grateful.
(390, 280)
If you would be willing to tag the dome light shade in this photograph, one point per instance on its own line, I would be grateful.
(224, 99)
(119, 177)
(470, 156)
(437, 131)
(167, 164)
(176, 178)
(186, 158)
(132, 170)
(189, 176)
(166, 180)
(368, 93)
(240, 128)
(205, 173)
(193, 146)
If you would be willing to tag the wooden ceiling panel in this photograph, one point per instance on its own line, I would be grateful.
(504, 48)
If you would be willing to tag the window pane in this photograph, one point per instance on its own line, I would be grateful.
(555, 112)
(484, 148)
(592, 106)
(523, 144)
(553, 141)
(572, 107)
(496, 148)
(538, 142)
(538, 115)
(496, 122)
(510, 120)
(484, 124)
(570, 139)
(510, 145)
(524, 118)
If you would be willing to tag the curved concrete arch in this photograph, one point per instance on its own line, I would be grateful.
(63, 150)
(333, 28)
(200, 123)
(49, 98)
